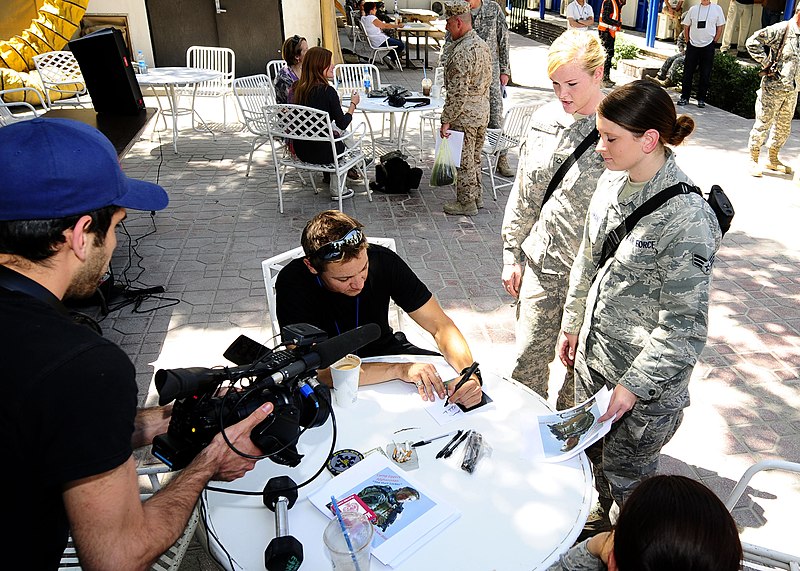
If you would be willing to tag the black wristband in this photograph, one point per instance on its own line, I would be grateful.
(477, 373)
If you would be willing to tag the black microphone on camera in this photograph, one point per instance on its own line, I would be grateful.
(326, 353)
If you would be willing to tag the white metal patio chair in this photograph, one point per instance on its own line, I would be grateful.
(356, 31)
(171, 559)
(296, 122)
(380, 49)
(762, 557)
(516, 122)
(272, 266)
(222, 60)
(15, 111)
(273, 67)
(253, 93)
(61, 74)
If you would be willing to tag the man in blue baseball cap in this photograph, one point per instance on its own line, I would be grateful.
(68, 418)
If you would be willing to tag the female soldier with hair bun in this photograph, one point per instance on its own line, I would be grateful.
(637, 324)
(668, 523)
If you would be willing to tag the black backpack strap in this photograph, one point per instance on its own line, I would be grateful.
(559, 175)
(617, 235)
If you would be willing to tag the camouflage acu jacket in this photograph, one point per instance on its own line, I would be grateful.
(578, 559)
(549, 237)
(489, 22)
(643, 320)
(763, 41)
(467, 77)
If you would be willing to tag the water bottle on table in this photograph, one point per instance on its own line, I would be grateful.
(367, 81)
(140, 62)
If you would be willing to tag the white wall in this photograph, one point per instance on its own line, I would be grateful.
(302, 17)
(137, 21)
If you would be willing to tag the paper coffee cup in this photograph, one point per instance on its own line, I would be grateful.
(345, 373)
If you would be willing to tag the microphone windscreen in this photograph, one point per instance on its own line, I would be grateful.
(333, 349)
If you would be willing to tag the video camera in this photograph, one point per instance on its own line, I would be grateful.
(286, 378)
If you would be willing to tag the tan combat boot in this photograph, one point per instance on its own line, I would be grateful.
(755, 169)
(461, 208)
(503, 168)
(775, 164)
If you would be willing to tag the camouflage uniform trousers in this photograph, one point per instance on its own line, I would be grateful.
(775, 107)
(629, 453)
(539, 309)
(468, 183)
(496, 107)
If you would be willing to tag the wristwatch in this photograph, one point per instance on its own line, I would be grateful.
(477, 374)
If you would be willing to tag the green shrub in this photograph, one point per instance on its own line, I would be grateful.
(624, 50)
(733, 85)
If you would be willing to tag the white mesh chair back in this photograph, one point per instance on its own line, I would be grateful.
(516, 122)
(299, 123)
(271, 267)
(61, 74)
(15, 111)
(253, 93)
(349, 77)
(273, 67)
(380, 50)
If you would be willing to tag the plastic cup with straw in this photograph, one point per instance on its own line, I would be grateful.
(346, 534)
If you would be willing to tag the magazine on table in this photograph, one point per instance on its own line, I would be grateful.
(404, 514)
(561, 435)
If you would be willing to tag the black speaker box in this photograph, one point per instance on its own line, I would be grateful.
(106, 67)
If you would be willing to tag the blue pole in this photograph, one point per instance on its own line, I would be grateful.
(789, 11)
(652, 23)
(541, 9)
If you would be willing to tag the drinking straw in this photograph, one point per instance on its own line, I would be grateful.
(345, 532)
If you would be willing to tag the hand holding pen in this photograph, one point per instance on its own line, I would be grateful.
(466, 400)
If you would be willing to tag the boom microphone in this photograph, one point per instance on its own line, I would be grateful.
(326, 353)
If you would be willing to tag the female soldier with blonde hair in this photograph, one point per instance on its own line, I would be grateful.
(541, 234)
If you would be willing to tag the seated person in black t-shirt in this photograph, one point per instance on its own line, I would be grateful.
(343, 282)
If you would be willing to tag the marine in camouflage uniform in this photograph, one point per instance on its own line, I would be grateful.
(489, 21)
(643, 321)
(777, 97)
(545, 240)
(467, 76)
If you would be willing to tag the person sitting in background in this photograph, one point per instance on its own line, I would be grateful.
(374, 28)
(294, 49)
(314, 90)
(668, 523)
(343, 282)
(670, 72)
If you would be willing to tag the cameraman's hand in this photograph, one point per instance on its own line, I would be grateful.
(226, 464)
(426, 378)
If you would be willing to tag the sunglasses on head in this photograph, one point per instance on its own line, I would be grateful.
(334, 250)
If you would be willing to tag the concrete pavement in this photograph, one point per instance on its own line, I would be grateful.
(206, 249)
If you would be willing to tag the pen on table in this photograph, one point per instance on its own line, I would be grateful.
(464, 378)
(346, 534)
(429, 440)
(443, 450)
(457, 444)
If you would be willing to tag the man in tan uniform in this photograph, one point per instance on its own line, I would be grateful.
(467, 78)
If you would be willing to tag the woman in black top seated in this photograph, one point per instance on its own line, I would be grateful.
(314, 90)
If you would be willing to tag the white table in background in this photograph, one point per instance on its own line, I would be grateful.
(397, 127)
(517, 514)
(171, 79)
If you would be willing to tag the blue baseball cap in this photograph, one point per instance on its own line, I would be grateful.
(55, 168)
